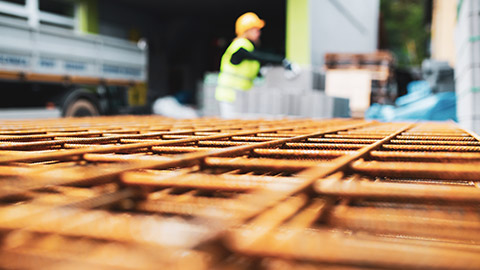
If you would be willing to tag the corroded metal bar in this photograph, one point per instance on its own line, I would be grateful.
(431, 142)
(197, 207)
(222, 143)
(425, 156)
(251, 138)
(301, 153)
(445, 133)
(353, 141)
(29, 145)
(353, 136)
(117, 227)
(444, 148)
(436, 138)
(48, 136)
(346, 146)
(461, 225)
(24, 250)
(276, 135)
(180, 149)
(123, 158)
(324, 245)
(209, 181)
(264, 164)
(370, 189)
(454, 171)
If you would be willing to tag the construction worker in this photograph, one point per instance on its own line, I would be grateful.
(241, 62)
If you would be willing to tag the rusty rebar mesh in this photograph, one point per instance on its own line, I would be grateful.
(147, 192)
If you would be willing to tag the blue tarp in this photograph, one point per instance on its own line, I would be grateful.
(415, 91)
(419, 104)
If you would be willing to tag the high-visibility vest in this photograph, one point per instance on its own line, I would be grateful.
(236, 77)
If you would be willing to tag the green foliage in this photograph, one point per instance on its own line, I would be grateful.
(406, 32)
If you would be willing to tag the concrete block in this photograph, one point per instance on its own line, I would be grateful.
(277, 101)
(341, 107)
(275, 78)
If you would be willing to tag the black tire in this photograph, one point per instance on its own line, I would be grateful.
(81, 108)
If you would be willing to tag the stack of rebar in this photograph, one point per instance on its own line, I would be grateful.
(147, 192)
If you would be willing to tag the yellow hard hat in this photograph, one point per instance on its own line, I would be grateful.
(247, 21)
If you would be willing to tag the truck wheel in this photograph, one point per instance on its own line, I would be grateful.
(80, 108)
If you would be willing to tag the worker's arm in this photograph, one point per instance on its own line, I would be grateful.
(264, 58)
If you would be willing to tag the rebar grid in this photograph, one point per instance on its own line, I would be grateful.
(210, 193)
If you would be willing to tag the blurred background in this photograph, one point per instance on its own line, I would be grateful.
(389, 60)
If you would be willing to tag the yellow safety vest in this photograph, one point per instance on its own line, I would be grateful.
(236, 77)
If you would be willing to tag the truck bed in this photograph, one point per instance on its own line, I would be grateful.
(54, 54)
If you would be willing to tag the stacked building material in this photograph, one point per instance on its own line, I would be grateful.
(379, 65)
(151, 192)
(275, 96)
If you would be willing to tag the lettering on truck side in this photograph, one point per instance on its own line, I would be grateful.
(70, 65)
(14, 60)
(47, 63)
(121, 70)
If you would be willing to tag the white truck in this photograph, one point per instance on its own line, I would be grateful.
(59, 69)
